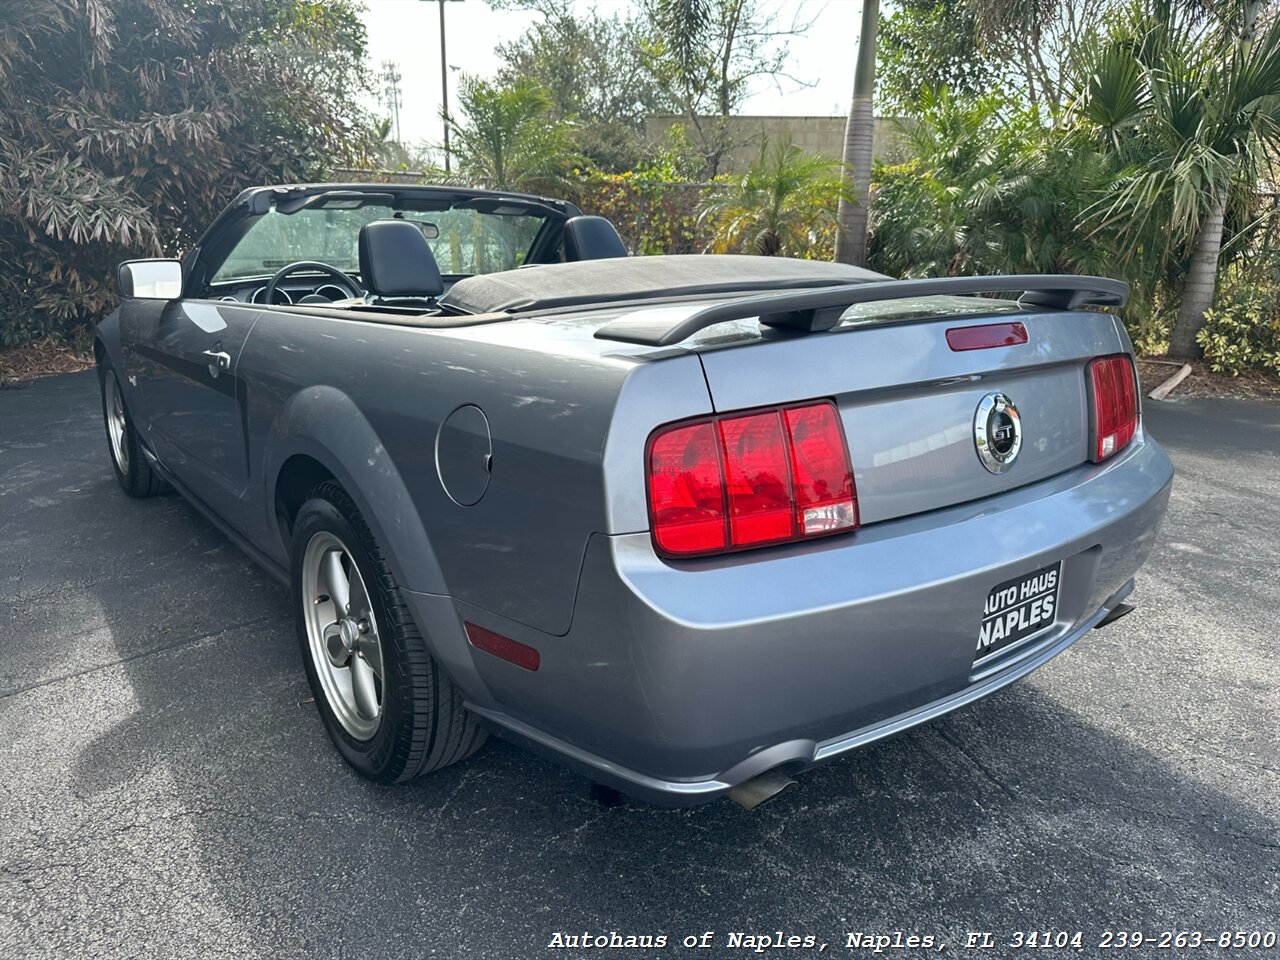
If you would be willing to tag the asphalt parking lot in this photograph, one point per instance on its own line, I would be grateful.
(163, 793)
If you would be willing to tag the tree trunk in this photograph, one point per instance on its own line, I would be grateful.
(1197, 295)
(1249, 23)
(1048, 85)
(851, 238)
(1028, 72)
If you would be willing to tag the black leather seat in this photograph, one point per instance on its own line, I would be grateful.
(396, 263)
(591, 238)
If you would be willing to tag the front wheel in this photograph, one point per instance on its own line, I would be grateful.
(134, 474)
(387, 705)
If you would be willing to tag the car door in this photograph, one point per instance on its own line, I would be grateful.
(195, 402)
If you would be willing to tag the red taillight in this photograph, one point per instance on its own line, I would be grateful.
(686, 490)
(1115, 404)
(749, 480)
(757, 479)
(986, 335)
(825, 499)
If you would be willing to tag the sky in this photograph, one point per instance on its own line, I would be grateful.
(408, 33)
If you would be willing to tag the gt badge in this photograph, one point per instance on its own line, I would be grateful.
(997, 432)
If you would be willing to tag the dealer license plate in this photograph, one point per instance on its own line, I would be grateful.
(1019, 608)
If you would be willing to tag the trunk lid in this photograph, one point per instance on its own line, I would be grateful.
(908, 401)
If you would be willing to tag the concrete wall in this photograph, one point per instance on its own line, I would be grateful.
(820, 135)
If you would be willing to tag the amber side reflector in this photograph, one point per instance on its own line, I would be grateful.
(504, 648)
(986, 335)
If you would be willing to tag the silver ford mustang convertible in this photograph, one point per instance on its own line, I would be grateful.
(690, 523)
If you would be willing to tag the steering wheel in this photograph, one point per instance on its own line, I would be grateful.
(310, 266)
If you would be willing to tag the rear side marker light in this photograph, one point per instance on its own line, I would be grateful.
(1113, 396)
(750, 479)
(513, 651)
(986, 335)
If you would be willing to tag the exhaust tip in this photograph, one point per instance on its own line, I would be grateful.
(1116, 612)
(752, 793)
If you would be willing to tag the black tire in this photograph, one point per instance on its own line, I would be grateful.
(423, 726)
(133, 471)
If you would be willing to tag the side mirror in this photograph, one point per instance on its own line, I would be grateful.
(150, 279)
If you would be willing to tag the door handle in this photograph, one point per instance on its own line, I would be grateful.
(218, 360)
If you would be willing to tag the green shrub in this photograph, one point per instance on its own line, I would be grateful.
(654, 208)
(126, 126)
(1242, 329)
(784, 205)
(990, 188)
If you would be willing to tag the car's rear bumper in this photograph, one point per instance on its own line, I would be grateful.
(677, 681)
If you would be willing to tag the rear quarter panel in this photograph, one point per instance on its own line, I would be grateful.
(518, 551)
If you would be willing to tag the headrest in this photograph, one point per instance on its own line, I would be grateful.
(591, 238)
(395, 261)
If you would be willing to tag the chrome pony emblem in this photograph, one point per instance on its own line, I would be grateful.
(997, 432)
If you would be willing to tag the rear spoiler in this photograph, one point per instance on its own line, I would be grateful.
(811, 311)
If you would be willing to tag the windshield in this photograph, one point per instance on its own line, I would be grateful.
(465, 242)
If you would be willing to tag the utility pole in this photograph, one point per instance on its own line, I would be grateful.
(444, 88)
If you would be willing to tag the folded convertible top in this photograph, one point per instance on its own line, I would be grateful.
(596, 282)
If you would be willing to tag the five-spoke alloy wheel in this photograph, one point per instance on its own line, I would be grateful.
(133, 472)
(389, 708)
(342, 631)
(117, 426)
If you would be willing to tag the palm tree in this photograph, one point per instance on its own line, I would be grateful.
(989, 188)
(780, 207)
(851, 240)
(509, 139)
(1191, 114)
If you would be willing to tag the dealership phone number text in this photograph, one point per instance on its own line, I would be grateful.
(901, 942)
